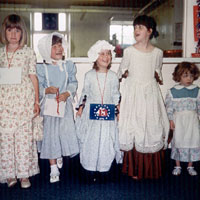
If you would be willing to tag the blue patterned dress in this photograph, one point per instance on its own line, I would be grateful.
(183, 107)
(99, 141)
(59, 133)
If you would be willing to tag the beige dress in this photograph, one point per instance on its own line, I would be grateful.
(18, 152)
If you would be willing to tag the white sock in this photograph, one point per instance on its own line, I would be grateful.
(54, 170)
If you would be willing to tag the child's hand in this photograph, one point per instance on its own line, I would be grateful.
(172, 125)
(36, 110)
(118, 107)
(158, 78)
(79, 113)
(63, 96)
(51, 90)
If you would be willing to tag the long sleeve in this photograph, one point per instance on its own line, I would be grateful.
(115, 90)
(72, 81)
(85, 91)
(124, 64)
(41, 80)
(169, 105)
(159, 62)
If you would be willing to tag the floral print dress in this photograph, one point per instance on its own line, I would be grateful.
(18, 152)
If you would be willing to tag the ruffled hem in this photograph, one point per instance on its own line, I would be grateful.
(128, 147)
(186, 155)
(153, 149)
(32, 173)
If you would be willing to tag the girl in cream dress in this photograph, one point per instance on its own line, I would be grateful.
(143, 122)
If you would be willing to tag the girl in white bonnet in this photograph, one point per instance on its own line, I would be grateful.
(57, 85)
(96, 122)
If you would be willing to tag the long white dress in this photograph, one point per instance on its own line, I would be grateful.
(143, 121)
(99, 142)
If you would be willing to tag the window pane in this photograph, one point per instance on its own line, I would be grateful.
(128, 35)
(116, 29)
(62, 22)
(37, 21)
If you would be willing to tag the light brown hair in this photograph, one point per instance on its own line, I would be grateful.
(97, 68)
(14, 21)
(185, 67)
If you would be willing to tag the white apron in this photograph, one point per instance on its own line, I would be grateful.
(186, 133)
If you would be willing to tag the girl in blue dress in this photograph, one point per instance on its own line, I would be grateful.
(58, 85)
(183, 109)
(97, 132)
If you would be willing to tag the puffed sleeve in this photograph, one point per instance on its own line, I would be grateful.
(85, 91)
(159, 61)
(169, 105)
(124, 65)
(41, 79)
(32, 61)
(115, 89)
(72, 81)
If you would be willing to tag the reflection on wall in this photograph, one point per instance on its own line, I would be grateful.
(169, 17)
(87, 28)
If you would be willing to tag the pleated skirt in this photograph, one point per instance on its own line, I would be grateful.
(143, 165)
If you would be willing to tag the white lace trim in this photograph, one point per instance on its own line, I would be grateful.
(128, 147)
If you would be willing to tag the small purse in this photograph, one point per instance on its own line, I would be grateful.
(38, 128)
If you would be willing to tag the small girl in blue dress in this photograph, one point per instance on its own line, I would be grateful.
(97, 132)
(58, 85)
(183, 109)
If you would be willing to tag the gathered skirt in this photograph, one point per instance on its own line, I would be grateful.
(59, 136)
(143, 165)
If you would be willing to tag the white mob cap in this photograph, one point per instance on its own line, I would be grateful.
(100, 45)
(45, 44)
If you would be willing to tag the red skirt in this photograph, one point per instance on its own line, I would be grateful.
(143, 165)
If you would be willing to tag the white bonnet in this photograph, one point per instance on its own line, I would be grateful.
(100, 45)
(45, 44)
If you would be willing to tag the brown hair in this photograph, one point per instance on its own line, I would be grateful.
(185, 67)
(149, 22)
(56, 40)
(14, 21)
(97, 68)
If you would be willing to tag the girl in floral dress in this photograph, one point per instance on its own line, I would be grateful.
(183, 109)
(143, 122)
(19, 103)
